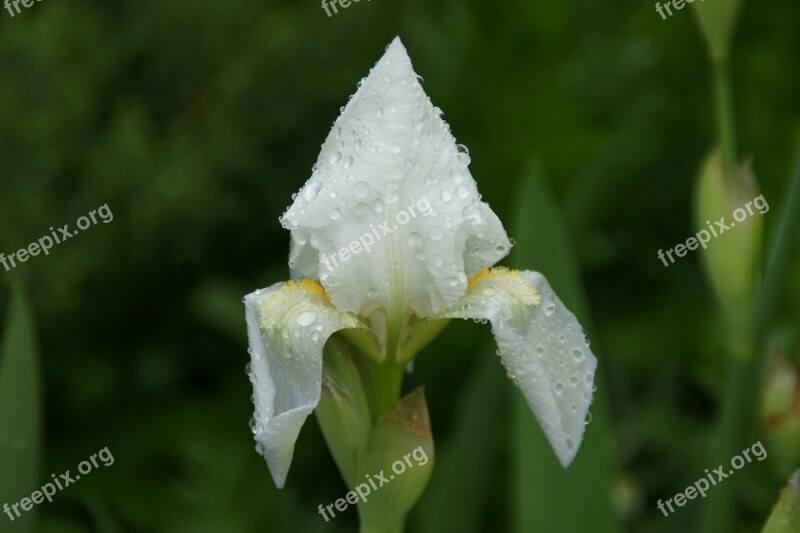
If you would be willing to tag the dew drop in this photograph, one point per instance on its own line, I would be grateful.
(435, 233)
(335, 158)
(335, 214)
(559, 388)
(577, 353)
(306, 318)
(377, 206)
(312, 189)
(573, 381)
(549, 309)
(462, 192)
(361, 189)
(414, 239)
(361, 209)
(446, 196)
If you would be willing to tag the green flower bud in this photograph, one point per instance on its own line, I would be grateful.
(343, 411)
(717, 19)
(729, 213)
(780, 412)
(785, 516)
(395, 465)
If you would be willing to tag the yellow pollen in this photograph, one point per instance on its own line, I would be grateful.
(288, 294)
(510, 280)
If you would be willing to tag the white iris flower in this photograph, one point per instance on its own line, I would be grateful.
(390, 240)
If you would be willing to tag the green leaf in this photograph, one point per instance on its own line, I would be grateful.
(785, 517)
(546, 497)
(475, 443)
(20, 411)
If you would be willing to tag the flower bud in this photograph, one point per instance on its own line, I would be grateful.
(395, 464)
(717, 19)
(343, 411)
(727, 212)
(780, 412)
(785, 516)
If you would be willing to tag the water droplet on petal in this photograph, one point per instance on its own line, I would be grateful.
(361, 189)
(306, 318)
(311, 191)
(436, 233)
(577, 353)
(335, 214)
(414, 239)
(559, 388)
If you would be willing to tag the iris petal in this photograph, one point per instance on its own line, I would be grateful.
(542, 346)
(391, 218)
(287, 325)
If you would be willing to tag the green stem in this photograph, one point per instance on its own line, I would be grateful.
(744, 378)
(397, 528)
(387, 382)
(726, 121)
(738, 417)
(780, 253)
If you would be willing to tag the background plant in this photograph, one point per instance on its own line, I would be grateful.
(196, 122)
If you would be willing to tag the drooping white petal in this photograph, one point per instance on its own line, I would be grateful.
(543, 348)
(391, 217)
(287, 325)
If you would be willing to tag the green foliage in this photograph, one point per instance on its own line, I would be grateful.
(196, 121)
(20, 412)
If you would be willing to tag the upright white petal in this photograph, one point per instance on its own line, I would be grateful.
(287, 325)
(543, 348)
(390, 164)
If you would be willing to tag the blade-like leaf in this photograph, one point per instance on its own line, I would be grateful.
(456, 497)
(546, 496)
(20, 411)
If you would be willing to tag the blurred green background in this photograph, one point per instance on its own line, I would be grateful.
(196, 121)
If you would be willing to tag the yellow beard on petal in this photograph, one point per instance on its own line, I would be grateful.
(293, 291)
(505, 280)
